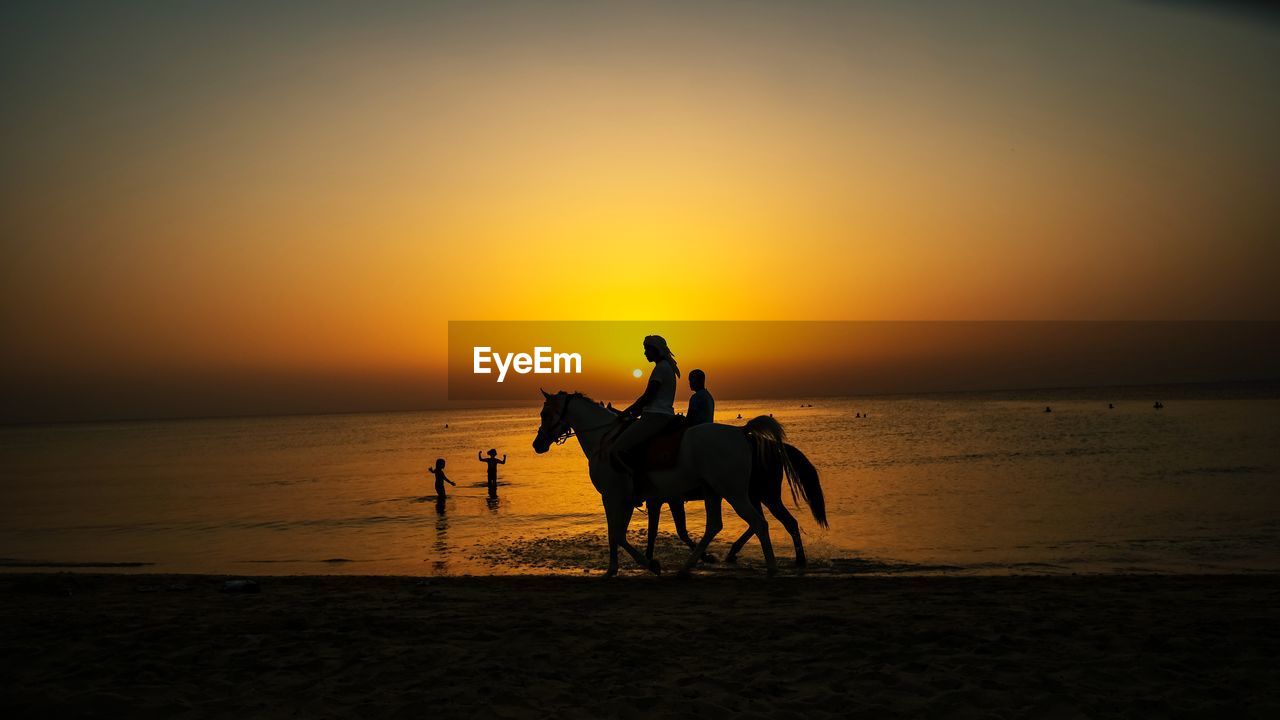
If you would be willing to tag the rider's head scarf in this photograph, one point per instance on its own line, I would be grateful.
(659, 343)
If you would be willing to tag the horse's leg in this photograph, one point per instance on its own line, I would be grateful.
(677, 517)
(654, 507)
(714, 523)
(619, 520)
(740, 543)
(779, 510)
(610, 517)
(746, 510)
(682, 530)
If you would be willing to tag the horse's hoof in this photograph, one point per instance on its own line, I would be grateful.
(708, 557)
(655, 567)
(732, 560)
(801, 562)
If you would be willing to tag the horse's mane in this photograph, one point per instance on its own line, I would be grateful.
(580, 394)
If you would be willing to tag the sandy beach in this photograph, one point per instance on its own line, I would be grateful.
(796, 647)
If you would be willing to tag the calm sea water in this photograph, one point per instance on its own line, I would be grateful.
(954, 483)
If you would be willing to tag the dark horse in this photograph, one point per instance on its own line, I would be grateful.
(654, 509)
(766, 489)
(714, 461)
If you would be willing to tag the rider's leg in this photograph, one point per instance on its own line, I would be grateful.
(636, 435)
(628, 444)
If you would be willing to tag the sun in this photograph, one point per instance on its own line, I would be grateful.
(636, 373)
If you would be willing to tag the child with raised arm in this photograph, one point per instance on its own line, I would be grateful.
(493, 462)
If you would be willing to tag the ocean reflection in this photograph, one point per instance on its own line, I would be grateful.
(986, 482)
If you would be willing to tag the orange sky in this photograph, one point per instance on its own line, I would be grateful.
(199, 202)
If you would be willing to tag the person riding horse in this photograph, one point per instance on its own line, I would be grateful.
(655, 409)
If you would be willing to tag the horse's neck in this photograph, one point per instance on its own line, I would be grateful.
(589, 422)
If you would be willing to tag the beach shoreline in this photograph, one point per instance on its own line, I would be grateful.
(154, 645)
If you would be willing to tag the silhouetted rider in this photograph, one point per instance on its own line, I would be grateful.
(655, 408)
(702, 407)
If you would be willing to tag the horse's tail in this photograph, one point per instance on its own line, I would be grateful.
(802, 477)
(776, 454)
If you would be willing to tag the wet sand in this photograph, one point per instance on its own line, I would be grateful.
(1047, 647)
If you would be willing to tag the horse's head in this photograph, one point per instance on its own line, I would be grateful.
(555, 421)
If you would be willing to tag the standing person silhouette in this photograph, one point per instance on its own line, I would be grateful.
(441, 479)
(655, 408)
(702, 407)
(493, 462)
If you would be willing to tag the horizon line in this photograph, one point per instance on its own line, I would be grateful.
(496, 405)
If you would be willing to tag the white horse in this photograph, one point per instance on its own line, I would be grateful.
(715, 459)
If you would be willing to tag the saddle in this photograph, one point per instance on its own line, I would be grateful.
(662, 452)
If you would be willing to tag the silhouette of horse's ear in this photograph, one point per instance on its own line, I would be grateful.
(544, 393)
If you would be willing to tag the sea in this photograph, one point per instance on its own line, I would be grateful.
(956, 483)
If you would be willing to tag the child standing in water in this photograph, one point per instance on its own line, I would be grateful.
(493, 462)
(441, 478)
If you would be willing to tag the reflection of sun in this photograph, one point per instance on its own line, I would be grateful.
(636, 373)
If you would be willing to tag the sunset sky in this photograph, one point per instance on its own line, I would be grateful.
(219, 208)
